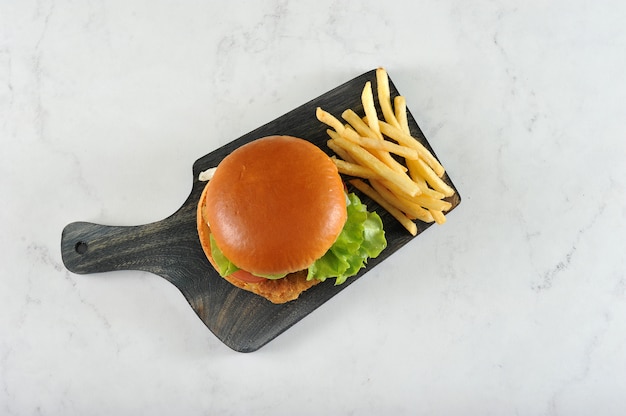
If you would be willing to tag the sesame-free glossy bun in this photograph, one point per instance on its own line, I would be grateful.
(276, 291)
(275, 205)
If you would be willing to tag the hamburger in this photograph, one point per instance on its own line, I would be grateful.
(275, 219)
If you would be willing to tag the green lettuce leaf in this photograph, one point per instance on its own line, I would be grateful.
(362, 238)
(224, 266)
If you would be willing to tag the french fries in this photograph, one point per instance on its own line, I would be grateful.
(364, 157)
(407, 140)
(364, 130)
(404, 177)
(369, 143)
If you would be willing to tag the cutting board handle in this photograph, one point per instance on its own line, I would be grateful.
(93, 248)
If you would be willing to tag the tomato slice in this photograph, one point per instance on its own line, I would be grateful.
(247, 276)
(239, 274)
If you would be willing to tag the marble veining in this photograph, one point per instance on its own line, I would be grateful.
(564, 263)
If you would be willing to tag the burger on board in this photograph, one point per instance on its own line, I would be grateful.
(275, 219)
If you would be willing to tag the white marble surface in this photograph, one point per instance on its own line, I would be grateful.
(516, 306)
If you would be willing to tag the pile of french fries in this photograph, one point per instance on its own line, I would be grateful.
(409, 186)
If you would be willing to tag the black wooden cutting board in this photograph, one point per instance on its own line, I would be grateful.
(170, 248)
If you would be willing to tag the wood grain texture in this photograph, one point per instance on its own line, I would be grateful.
(170, 248)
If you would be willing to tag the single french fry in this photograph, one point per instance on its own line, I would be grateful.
(410, 208)
(351, 134)
(369, 143)
(332, 133)
(407, 140)
(431, 193)
(438, 216)
(399, 105)
(339, 151)
(359, 125)
(395, 212)
(384, 97)
(367, 98)
(432, 203)
(328, 119)
(353, 169)
(432, 179)
(414, 173)
(364, 157)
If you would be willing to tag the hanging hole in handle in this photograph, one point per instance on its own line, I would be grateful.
(81, 247)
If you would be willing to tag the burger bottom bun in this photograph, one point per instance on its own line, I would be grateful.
(276, 291)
